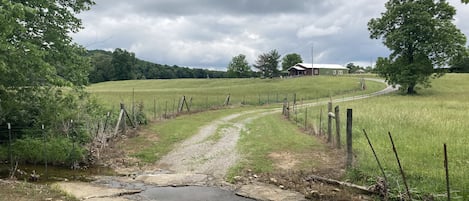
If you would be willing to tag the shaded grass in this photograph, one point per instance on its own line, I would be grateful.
(420, 125)
(267, 135)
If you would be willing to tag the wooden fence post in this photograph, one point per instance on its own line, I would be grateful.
(181, 104)
(154, 109)
(306, 118)
(349, 138)
(45, 149)
(9, 149)
(108, 114)
(166, 110)
(329, 122)
(320, 122)
(337, 126)
(227, 100)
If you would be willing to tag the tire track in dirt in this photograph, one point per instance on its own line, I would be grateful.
(201, 154)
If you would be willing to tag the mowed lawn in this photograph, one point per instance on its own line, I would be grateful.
(420, 125)
(163, 96)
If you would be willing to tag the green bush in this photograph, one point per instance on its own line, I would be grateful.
(57, 151)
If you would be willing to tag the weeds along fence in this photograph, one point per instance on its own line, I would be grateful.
(157, 108)
(74, 143)
(334, 125)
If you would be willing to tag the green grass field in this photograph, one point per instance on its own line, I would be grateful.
(420, 125)
(163, 96)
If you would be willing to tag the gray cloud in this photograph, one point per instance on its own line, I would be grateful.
(208, 33)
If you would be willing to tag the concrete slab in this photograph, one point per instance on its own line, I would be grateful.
(260, 191)
(92, 192)
(174, 179)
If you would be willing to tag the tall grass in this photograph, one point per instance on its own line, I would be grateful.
(267, 135)
(163, 96)
(420, 125)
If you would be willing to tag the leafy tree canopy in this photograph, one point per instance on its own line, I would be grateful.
(460, 64)
(420, 35)
(239, 67)
(290, 60)
(37, 60)
(267, 64)
(121, 64)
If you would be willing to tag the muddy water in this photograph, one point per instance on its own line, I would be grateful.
(55, 173)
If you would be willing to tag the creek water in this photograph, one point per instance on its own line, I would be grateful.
(55, 173)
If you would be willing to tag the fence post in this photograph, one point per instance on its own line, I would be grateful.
(446, 172)
(349, 138)
(134, 117)
(45, 148)
(400, 167)
(227, 100)
(9, 147)
(320, 122)
(154, 108)
(294, 99)
(337, 126)
(166, 110)
(105, 122)
(329, 121)
(306, 118)
(181, 104)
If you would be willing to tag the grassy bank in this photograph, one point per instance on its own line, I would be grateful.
(22, 191)
(420, 125)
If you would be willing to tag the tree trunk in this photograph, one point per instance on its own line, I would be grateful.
(410, 89)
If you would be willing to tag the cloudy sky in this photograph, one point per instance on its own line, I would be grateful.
(208, 33)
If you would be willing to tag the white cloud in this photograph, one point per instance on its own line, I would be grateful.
(208, 33)
(313, 31)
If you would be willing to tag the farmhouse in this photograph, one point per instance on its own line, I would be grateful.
(302, 69)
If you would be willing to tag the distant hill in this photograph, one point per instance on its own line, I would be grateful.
(123, 65)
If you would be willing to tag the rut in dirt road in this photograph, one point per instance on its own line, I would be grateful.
(205, 153)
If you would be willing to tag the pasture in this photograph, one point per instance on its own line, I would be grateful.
(162, 96)
(420, 124)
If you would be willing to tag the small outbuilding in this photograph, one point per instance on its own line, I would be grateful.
(307, 69)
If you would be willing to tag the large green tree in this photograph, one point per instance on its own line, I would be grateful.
(124, 64)
(290, 60)
(37, 60)
(267, 63)
(239, 67)
(461, 63)
(420, 35)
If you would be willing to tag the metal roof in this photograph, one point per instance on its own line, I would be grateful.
(297, 68)
(324, 66)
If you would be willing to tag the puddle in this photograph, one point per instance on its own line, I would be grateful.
(187, 193)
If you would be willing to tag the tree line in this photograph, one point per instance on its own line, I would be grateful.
(123, 65)
(267, 65)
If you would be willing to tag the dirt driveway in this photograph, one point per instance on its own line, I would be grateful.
(204, 159)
